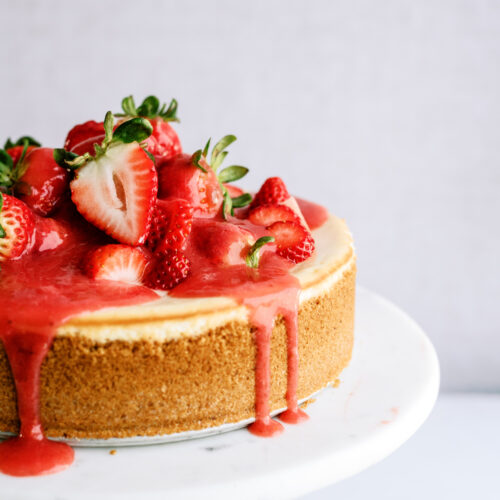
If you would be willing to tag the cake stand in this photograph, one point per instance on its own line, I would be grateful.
(383, 397)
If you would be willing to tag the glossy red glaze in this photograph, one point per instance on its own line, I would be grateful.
(180, 178)
(44, 182)
(267, 292)
(314, 214)
(164, 142)
(37, 294)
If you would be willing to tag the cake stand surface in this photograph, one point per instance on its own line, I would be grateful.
(384, 396)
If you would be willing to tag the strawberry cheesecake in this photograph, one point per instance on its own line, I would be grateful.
(143, 294)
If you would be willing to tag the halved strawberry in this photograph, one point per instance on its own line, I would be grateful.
(265, 215)
(179, 177)
(171, 268)
(116, 190)
(170, 225)
(117, 263)
(16, 228)
(81, 137)
(41, 182)
(274, 191)
(164, 142)
(294, 242)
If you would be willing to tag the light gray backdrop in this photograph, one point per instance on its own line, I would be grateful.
(386, 112)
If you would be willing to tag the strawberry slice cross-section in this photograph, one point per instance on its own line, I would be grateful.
(116, 190)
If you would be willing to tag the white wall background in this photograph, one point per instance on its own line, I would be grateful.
(386, 112)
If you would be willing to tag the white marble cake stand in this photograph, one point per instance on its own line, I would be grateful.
(385, 395)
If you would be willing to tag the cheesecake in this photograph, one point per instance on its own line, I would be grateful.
(142, 294)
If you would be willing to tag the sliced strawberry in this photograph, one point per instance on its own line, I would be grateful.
(50, 233)
(84, 133)
(170, 225)
(16, 228)
(265, 215)
(181, 178)
(117, 263)
(42, 182)
(117, 192)
(171, 268)
(221, 242)
(294, 242)
(273, 191)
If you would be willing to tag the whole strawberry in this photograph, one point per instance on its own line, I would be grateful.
(21, 147)
(196, 179)
(42, 182)
(82, 137)
(179, 177)
(16, 228)
(163, 143)
(171, 268)
(170, 225)
(34, 176)
(115, 190)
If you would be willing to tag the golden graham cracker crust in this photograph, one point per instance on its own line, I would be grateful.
(122, 388)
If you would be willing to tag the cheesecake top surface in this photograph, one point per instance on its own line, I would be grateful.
(171, 317)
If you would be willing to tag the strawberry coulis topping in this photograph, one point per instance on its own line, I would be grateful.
(38, 293)
(194, 247)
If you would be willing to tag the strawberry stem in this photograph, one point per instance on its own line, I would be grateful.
(253, 257)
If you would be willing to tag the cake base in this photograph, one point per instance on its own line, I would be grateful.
(124, 389)
(351, 428)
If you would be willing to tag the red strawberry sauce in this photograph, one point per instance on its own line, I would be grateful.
(41, 291)
(38, 293)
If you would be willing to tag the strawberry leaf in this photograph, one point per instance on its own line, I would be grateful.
(25, 139)
(242, 201)
(220, 146)
(137, 129)
(149, 107)
(63, 157)
(109, 121)
(7, 179)
(2, 230)
(169, 114)
(219, 160)
(227, 204)
(195, 160)
(253, 257)
(206, 148)
(128, 106)
(232, 173)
